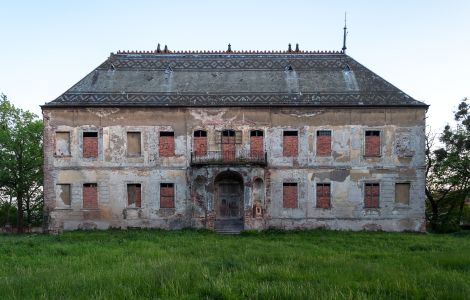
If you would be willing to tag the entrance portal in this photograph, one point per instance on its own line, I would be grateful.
(229, 195)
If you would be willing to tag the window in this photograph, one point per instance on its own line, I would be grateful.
(167, 143)
(167, 195)
(372, 143)
(323, 142)
(402, 193)
(371, 195)
(290, 143)
(90, 144)
(90, 195)
(256, 143)
(64, 194)
(62, 143)
(200, 143)
(228, 144)
(133, 144)
(229, 136)
(289, 195)
(323, 195)
(134, 195)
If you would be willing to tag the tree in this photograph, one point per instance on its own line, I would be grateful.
(21, 159)
(448, 173)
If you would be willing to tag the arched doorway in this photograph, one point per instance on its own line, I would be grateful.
(229, 196)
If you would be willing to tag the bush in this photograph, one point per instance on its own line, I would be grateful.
(7, 214)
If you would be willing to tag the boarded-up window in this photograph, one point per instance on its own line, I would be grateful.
(372, 143)
(323, 195)
(134, 195)
(323, 142)
(65, 194)
(90, 144)
(371, 195)
(289, 195)
(62, 143)
(167, 195)
(200, 142)
(402, 193)
(90, 195)
(256, 143)
(228, 145)
(167, 143)
(290, 143)
(133, 144)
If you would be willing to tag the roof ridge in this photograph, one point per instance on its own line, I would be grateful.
(229, 52)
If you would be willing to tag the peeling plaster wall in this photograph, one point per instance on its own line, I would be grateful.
(347, 169)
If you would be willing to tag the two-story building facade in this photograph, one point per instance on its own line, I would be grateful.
(234, 140)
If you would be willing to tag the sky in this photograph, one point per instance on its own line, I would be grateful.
(420, 46)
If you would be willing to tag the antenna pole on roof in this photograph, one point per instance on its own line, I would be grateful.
(345, 34)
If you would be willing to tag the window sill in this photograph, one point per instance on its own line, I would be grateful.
(89, 209)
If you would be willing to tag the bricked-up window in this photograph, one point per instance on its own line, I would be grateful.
(323, 195)
(90, 195)
(323, 142)
(167, 195)
(290, 143)
(371, 195)
(402, 193)
(90, 144)
(372, 143)
(289, 195)
(62, 143)
(200, 142)
(228, 145)
(133, 144)
(256, 143)
(167, 143)
(65, 194)
(134, 195)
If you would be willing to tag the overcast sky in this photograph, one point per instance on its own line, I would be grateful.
(421, 46)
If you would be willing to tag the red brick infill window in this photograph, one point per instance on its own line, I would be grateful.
(200, 142)
(167, 144)
(228, 145)
(371, 195)
(256, 143)
(289, 195)
(167, 195)
(323, 195)
(372, 143)
(290, 143)
(323, 143)
(90, 195)
(90, 144)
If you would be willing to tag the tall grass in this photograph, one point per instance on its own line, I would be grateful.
(202, 265)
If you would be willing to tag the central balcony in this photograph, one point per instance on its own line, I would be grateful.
(237, 157)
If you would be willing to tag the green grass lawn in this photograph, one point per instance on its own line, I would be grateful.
(273, 265)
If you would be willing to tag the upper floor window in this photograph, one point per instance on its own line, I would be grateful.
(167, 143)
(372, 143)
(62, 143)
(290, 143)
(134, 144)
(256, 143)
(90, 144)
(323, 142)
(200, 142)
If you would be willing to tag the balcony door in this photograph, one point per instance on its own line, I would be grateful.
(228, 145)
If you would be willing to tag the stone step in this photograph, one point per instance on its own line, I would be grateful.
(229, 226)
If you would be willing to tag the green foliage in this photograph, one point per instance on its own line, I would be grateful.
(143, 264)
(448, 173)
(7, 214)
(21, 159)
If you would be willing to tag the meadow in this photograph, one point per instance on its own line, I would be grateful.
(189, 264)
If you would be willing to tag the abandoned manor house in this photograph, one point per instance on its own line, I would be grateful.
(232, 140)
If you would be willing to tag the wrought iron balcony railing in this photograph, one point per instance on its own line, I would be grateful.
(239, 157)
